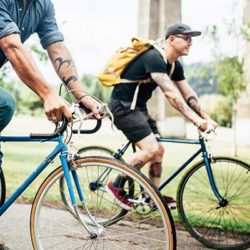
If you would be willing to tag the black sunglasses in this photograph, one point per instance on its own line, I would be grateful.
(185, 38)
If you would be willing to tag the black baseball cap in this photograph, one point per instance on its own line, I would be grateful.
(180, 28)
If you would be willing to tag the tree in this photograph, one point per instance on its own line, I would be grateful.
(229, 69)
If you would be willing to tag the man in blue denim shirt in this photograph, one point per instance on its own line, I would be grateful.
(18, 20)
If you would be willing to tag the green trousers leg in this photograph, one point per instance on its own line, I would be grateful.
(7, 108)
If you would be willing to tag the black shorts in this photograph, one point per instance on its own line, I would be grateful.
(135, 124)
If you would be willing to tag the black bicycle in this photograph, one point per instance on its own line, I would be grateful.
(213, 197)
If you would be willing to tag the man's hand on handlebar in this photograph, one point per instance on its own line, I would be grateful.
(56, 107)
(92, 105)
(205, 125)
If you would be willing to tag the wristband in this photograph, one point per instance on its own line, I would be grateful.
(82, 97)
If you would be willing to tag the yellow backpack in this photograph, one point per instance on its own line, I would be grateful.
(111, 73)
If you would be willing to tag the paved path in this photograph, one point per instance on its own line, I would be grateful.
(14, 231)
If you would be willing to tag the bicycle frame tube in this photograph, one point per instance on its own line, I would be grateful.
(183, 166)
(65, 166)
(60, 147)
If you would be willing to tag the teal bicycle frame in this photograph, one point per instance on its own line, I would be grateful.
(60, 149)
(202, 150)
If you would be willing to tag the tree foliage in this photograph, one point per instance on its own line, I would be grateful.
(230, 75)
(202, 78)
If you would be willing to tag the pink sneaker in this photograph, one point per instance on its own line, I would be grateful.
(119, 195)
(170, 201)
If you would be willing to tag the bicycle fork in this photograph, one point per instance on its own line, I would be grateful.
(207, 160)
(66, 169)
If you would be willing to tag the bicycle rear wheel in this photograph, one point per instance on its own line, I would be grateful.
(95, 151)
(53, 227)
(220, 226)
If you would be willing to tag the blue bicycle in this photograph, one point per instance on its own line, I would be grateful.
(213, 197)
(84, 222)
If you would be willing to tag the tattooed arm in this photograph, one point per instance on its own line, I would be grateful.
(192, 100)
(66, 70)
(28, 72)
(176, 100)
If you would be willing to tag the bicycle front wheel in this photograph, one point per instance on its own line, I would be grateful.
(54, 227)
(218, 225)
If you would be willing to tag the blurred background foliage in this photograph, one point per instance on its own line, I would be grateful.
(218, 83)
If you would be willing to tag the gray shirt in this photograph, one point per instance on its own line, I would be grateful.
(39, 18)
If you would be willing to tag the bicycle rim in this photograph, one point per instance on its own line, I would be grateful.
(2, 187)
(54, 227)
(220, 226)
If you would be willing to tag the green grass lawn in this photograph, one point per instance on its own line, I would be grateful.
(20, 159)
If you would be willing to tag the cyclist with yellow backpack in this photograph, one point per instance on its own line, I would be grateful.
(156, 65)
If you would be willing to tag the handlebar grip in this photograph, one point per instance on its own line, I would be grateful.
(55, 134)
(89, 131)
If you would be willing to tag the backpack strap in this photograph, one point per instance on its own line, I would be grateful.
(172, 70)
(133, 104)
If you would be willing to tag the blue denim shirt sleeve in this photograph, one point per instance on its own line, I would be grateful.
(48, 30)
(7, 26)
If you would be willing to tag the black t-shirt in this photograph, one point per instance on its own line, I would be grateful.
(149, 62)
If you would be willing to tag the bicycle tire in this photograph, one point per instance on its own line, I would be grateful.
(3, 187)
(49, 216)
(95, 151)
(224, 226)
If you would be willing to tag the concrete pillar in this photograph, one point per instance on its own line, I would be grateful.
(154, 17)
(243, 107)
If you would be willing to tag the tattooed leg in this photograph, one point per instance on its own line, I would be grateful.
(155, 171)
(137, 164)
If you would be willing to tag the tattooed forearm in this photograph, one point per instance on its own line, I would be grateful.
(64, 69)
(180, 105)
(194, 105)
(69, 79)
(61, 62)
(173, 95)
